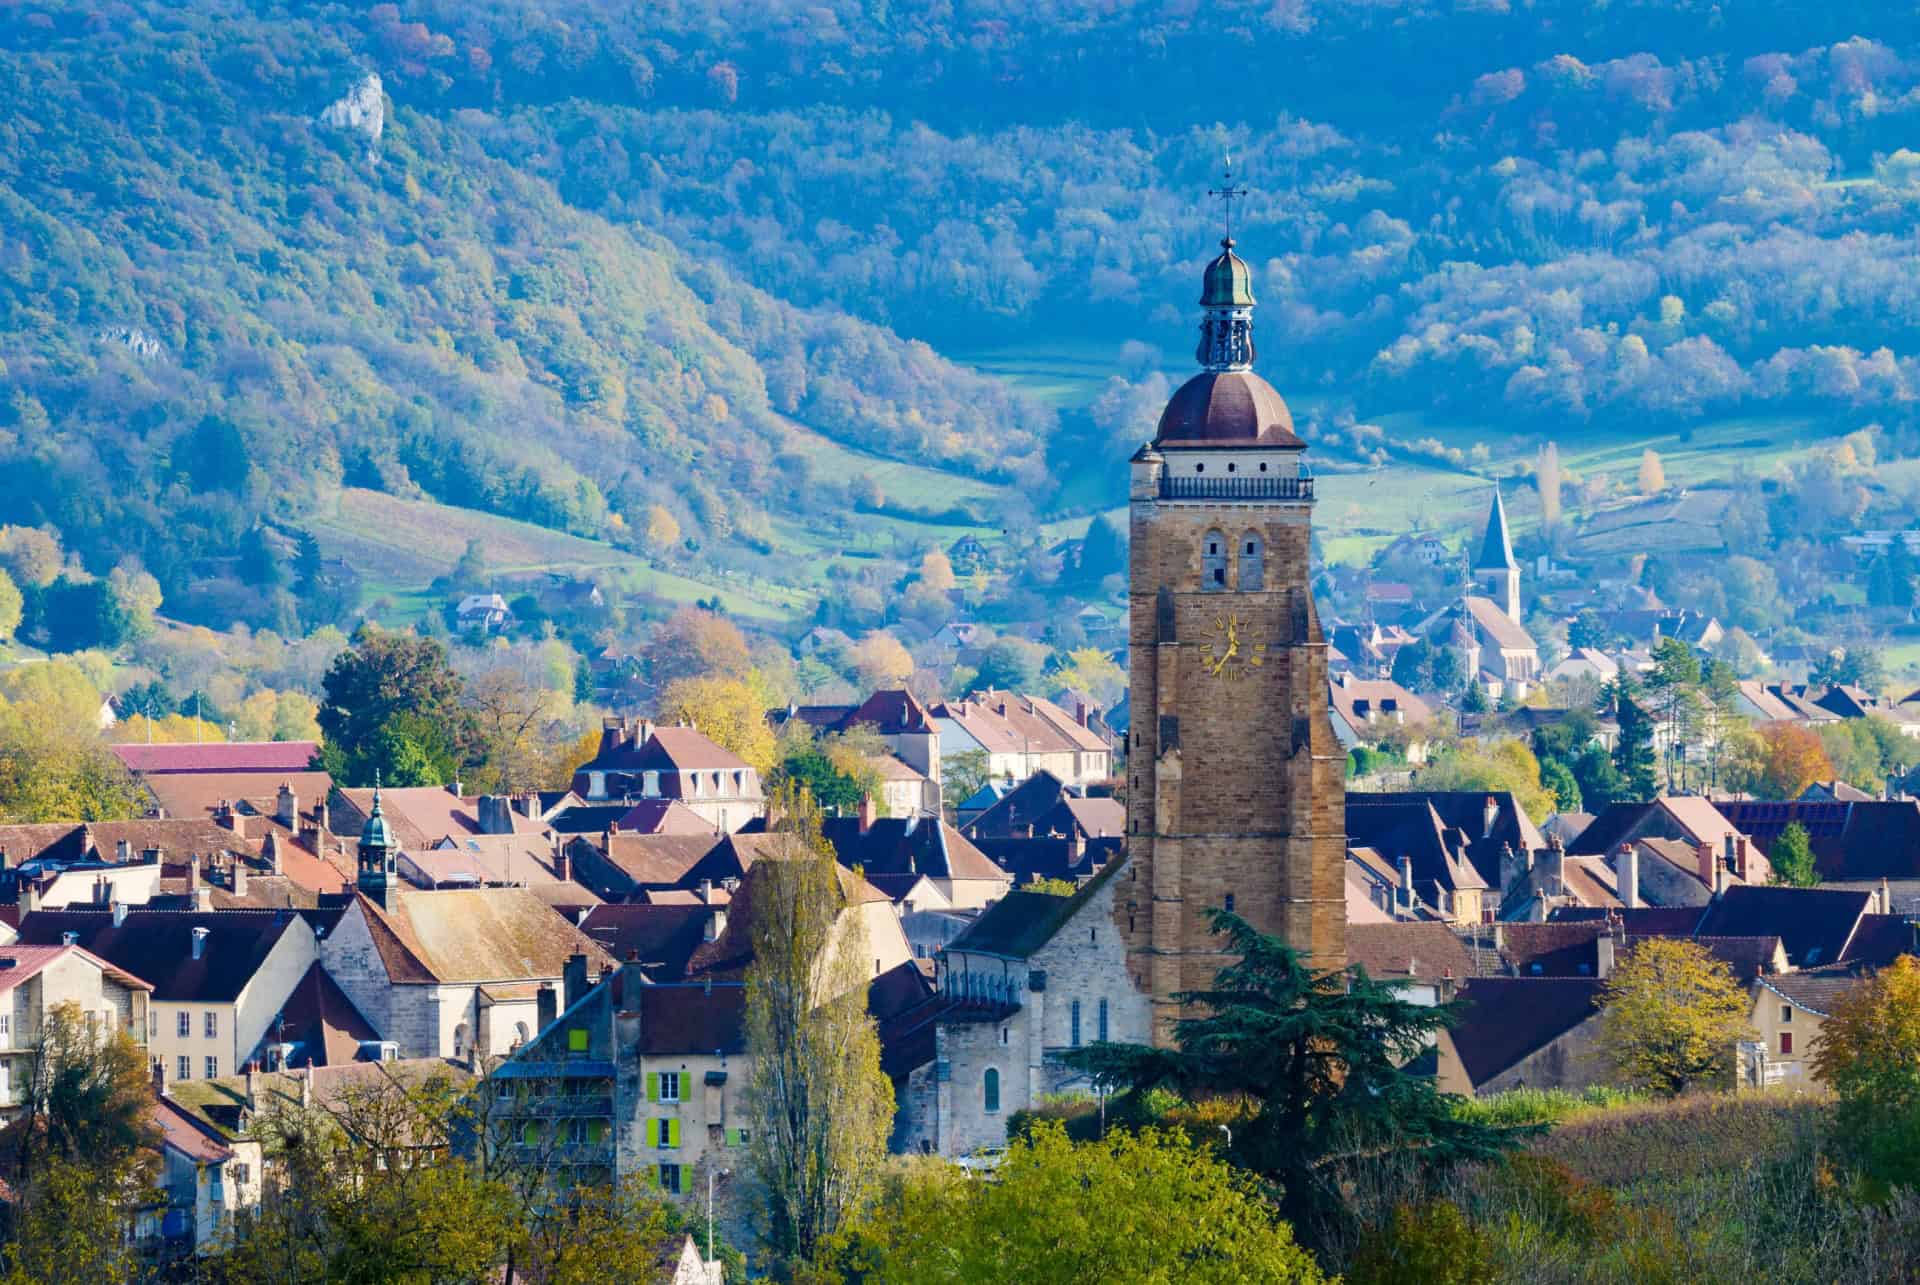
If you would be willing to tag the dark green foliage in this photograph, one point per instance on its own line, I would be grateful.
(833, 789)
(150, 699)
(392, 706)
(72, 615)
(1791, 856)
(1105, 551)
(1559, 778)
(1322, 1057)
(1599, 780)
(1011, 664)
(1587, 630)
(1633, 753)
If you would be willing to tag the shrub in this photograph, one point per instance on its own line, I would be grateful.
(1427, 1244)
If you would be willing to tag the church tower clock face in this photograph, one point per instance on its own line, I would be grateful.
(1230, 653)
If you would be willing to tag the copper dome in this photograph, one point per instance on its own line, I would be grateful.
(1227, 408)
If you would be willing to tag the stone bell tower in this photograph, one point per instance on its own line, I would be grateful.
(1235, 782)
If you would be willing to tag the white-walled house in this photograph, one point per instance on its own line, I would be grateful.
(219, 978)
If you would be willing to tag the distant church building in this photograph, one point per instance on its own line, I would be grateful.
(1498, 653)
(1236, 792)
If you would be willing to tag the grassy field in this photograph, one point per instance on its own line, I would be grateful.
(400, 545)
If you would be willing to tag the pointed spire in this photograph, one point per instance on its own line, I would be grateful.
(1496, 550)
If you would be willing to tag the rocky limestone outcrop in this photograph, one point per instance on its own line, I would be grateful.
(362, 109)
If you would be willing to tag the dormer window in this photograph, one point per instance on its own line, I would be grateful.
(650, 784)
(1363, 709)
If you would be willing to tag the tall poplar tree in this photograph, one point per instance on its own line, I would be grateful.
(818, 1103)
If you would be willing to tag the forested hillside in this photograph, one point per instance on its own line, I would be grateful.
(582, 263)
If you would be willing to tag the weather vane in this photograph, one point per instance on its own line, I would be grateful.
(1227, 192)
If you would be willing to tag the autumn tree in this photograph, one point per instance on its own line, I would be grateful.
(936, 571)
(1653, 474)
(1547, 479)
(31, 555)
(1868, 1053)
(731, 712)
(10, 607)
(880, 661)
(818, 1102)
(836, 769)
(1146, 1206)
(694, 643)
(1504, 765)
(1792, 758)
(54, 763)
(514, 722)
(1671, 1015)
(80, 1151)
(1090, 671)
(663, 529)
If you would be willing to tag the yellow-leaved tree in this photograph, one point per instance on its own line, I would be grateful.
(818, 1103)
(1146, 1206)
(880, 661)
(1671, 1017)
(1868, 1053)
(730, 712)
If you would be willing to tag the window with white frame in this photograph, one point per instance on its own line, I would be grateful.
(669, 1086)
(212, 1024)
(183, 1024)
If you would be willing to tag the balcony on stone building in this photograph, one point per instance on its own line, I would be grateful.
(1235, 488)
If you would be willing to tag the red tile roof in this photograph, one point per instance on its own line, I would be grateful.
(218, 756)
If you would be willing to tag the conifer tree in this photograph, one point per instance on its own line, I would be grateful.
(1321, 1054)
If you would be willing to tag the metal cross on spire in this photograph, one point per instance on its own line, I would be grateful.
(1227, 193)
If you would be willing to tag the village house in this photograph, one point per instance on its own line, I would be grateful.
(1021, 735)
(35, 980)
(483, 613)
(444, 973)
(1370, 711)
(1034, 976)
(921, 863)
(638, 761)
(1523, 1033)
(218, 979)
(1788, 1013)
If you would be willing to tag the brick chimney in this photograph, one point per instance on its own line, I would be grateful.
(286, 806)
(234, 821)
(239, 877)
(546, 1007)
(159, 1077)
(1703, 853)
(868, 813)
(574, 979)
(1626, 873)
(193, 873)
(270, 853)
(1489, 817)
(495, 814)
(562, 860)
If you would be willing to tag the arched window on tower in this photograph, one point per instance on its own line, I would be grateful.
(1213, 562)
(1253, 562)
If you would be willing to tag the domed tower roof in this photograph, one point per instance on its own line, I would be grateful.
(1226, 404)
(1227, 408)
(1228, 282)
(377, 833)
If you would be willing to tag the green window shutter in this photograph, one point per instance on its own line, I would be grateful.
(733, 1137)
(653, 1133)
(653, 1086)
(577, 1040)
(673, 1133)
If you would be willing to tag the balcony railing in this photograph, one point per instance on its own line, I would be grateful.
(569, 1104)
(1235, 488)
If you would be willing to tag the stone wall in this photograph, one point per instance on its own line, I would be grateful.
(1236, 782)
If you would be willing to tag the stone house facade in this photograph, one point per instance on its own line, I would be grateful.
(1035, 976)
(34, 980)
